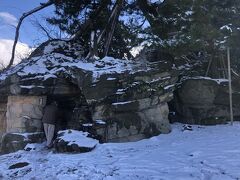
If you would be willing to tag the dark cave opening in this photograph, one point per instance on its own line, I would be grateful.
(73, 112)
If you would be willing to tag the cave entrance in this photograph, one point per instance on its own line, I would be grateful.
(173, 107)
(73, 111)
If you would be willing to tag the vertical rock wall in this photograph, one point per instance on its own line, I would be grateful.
(134, 120)
(24, 113)
(3, 110)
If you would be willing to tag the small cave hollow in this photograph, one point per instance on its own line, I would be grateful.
(73, 112)
(173, 107)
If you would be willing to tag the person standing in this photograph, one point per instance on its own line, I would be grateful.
(49, 122)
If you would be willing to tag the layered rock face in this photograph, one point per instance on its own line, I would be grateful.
(129, 97)
(205, 101)
(137, 108)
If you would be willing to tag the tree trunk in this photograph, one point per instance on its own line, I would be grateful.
(108, 31)
(24, 15)
(116, 13)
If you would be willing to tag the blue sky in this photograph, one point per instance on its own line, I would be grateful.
(10, 9)
(30, 36)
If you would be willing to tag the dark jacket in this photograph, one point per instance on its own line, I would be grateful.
(50, 114)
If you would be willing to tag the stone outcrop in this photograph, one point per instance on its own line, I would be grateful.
(130, 97)
(12, 142)
(135, 111)
(205, 101)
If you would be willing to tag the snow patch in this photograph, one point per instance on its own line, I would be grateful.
(169, 86)
(122, 103)
(227, 27)
(219, 81)
(31, 86)
(78, 137)
(99, 121)
(111, 79)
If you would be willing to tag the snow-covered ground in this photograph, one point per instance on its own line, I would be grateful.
(207, 153)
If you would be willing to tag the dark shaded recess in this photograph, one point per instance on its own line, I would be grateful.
(73, 111)
(173, 115)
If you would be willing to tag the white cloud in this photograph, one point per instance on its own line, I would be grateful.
(8, 18)
(22, 50)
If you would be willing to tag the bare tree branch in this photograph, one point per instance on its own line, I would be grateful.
(24, 15)
(44, 29)
(2, 66)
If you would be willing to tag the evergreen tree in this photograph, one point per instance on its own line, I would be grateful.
(178, 26)
(82, 18)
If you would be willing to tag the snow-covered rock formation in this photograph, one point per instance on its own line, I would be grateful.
(129, 97)
(74, 141)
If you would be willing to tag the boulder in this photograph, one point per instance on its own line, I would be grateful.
(205, 101)
(12, 142)
(74, 142)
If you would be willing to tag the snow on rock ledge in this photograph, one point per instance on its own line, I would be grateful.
(74, 141)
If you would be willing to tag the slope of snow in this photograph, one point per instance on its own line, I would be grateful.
(204, 153)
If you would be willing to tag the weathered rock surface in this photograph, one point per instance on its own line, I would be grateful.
(129, 96)
(74, 141)
(24, 113)
(205, 101)
(12, 142)
(3, 123)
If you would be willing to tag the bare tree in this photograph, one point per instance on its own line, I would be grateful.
(24, 15)
(49, 31)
